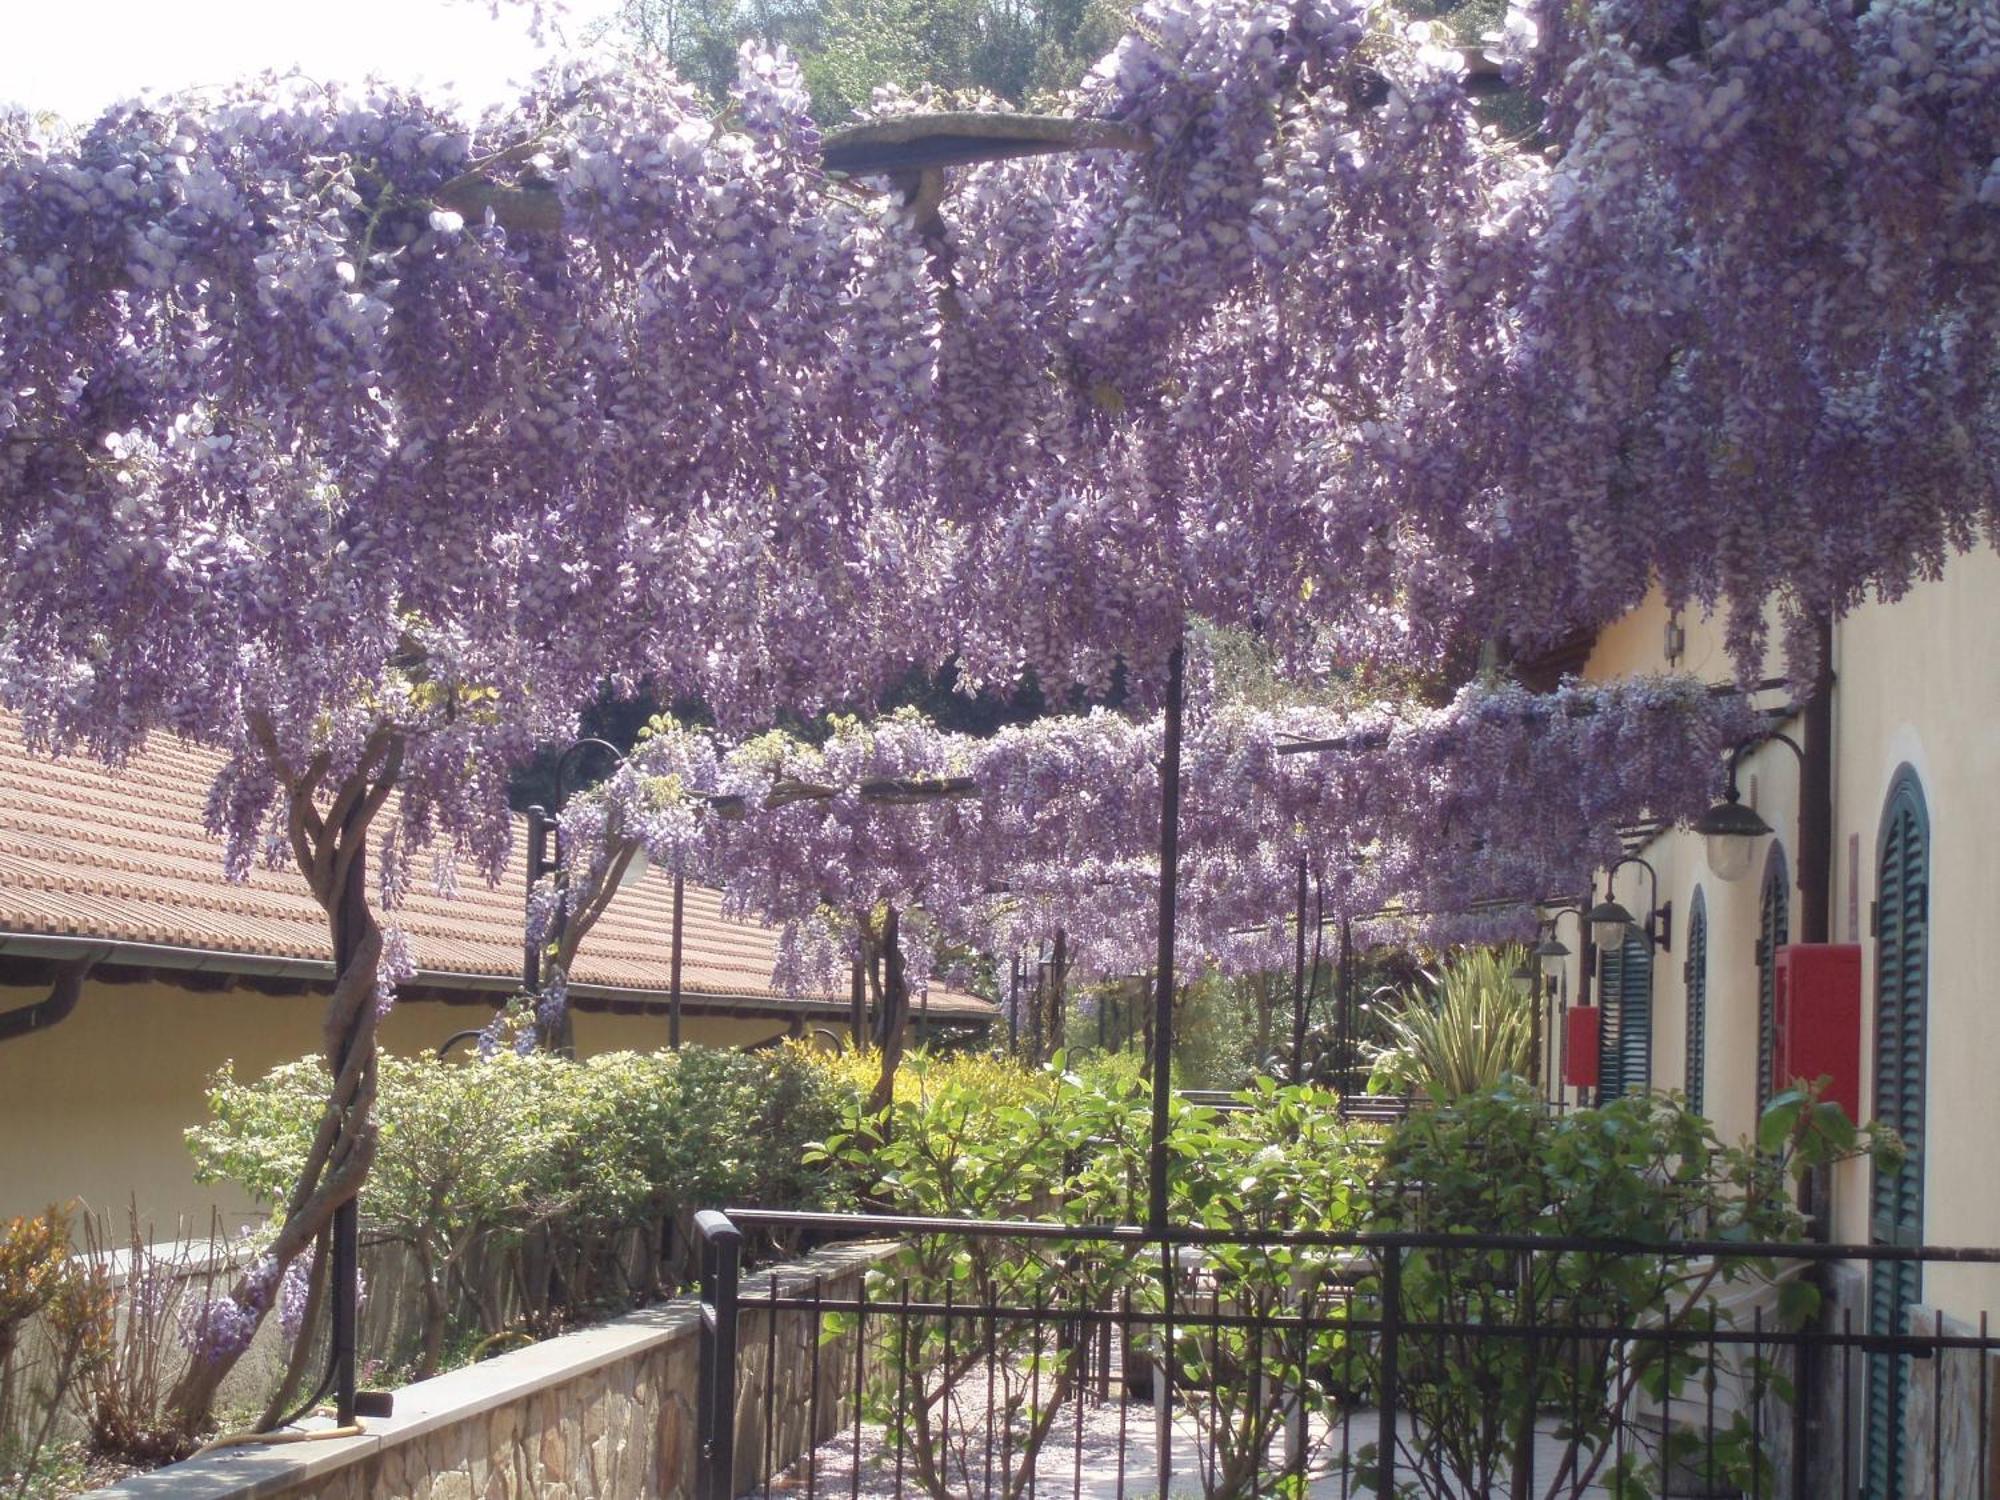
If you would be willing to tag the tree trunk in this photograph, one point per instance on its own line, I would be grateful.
(1058, 992)
(329, 848)
(437, 1313)
(895, 1012)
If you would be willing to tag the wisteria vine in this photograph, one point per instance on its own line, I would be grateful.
(1502, 795)
(295, 394)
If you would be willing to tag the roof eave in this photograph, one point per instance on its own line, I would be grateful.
(182, 959)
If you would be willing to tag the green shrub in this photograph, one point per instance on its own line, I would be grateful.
(1643, 1169)
(539, 1173)
(981, 1139)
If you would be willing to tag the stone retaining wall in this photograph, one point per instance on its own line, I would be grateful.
(606, 1413)
(1951, 1400)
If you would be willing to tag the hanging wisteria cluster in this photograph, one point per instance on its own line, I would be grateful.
(1502, 795)
(1756, 356)
(323, 407)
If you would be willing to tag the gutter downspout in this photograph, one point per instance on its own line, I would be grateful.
(62, 997)
(1815, 924)
(1816, 798)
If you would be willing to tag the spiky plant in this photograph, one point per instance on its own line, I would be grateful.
(1464, 1030)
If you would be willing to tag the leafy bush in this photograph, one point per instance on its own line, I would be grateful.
(538, 1174)
(1641, 1170)
(977, 1139)
(40, 1278)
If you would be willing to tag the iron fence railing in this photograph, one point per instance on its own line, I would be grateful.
(1024, 1360)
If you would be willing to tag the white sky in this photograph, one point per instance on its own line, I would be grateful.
(74, 57)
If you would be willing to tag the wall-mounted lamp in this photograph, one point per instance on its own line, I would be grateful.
(1729, 830)
(1610, 922)
(1552, 950)
(1523, 978)
(1729, 833)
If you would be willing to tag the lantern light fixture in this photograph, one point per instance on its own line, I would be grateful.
(1610, 923)
(1730, 832)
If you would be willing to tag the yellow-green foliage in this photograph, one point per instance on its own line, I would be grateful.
(1468, 1033)
(982, 1137)
(922, 1075)
(41, 1277)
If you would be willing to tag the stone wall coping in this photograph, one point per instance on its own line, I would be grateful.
(254, 1471)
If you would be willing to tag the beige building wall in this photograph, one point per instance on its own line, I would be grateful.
(94, 1108)
(1770, 783)
(1917, 684)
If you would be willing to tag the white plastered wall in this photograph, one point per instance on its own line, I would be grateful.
(1769, 779)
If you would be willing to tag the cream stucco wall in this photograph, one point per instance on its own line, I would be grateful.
(1917, 683)
(94, 1108)
(1770, 783)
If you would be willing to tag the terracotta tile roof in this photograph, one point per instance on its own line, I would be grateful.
(121, 855)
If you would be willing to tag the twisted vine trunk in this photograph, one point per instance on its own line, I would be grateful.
(1053, 1031)
(583, 906)
(329, 849)
(895, 1011)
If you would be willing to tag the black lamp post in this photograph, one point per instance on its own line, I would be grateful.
(1550, 953)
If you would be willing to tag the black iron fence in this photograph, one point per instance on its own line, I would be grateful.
(1024, 1359)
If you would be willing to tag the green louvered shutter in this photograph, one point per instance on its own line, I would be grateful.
(1625, 1011)
(1896, 1206)
(1773, 932)
(1609, 966)
(1696, 974)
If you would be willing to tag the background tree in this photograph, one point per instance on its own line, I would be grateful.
(1012, 50)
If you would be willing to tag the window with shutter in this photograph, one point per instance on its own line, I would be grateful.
(1896, 1201)
(1773, 932)
(1625, 998)
(1696, 974)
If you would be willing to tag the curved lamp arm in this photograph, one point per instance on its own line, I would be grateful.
(1659, 923)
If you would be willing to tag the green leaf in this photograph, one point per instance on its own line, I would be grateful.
(1798, 1303)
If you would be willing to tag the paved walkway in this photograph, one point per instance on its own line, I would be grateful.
(1083, 1461)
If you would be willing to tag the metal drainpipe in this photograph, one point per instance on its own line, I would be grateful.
(1816, 799)
(1815, 905)
(1586, 970)
(61, 1000)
